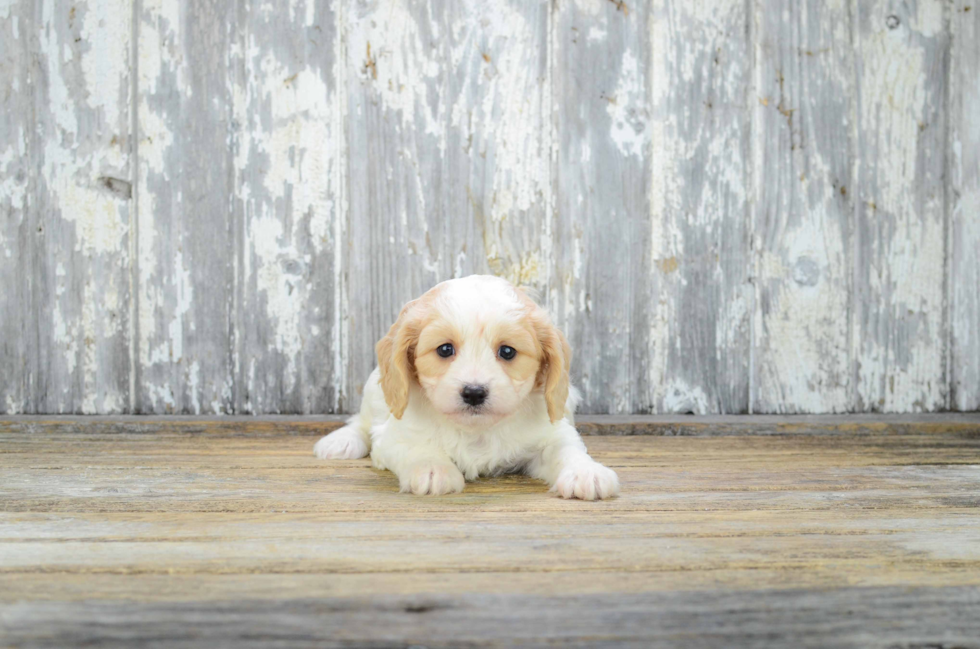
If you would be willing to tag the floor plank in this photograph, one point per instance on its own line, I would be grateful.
(121, 532)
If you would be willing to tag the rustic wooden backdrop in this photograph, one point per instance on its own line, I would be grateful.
(729, 205)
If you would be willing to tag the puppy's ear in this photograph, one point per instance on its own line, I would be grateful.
(396, 358)
(554, 367)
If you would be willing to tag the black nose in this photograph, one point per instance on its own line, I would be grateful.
(474, 394)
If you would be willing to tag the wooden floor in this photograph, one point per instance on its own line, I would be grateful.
(745, 532)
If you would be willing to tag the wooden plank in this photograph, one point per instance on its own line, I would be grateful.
(803, 161)
(115, 537)
(502, 543)
(600, 68)
(700, 297)
(289, 190)
(898, 616)
(899, 317)
(963, 271)
(448, 116)
(211, 586)
(188, 240)
(495, 186)
(590, 425)
(78, 473)
(18, 228)
(191, 532)
(82, 207)
(392, 68)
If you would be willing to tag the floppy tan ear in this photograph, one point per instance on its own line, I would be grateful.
(554, 368)
(396, 362)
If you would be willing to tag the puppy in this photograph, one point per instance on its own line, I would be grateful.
(472, 380)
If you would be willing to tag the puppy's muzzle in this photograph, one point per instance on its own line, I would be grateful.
(474, 395)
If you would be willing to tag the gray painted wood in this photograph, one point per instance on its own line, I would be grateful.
(900, 329)
(701, 301)
(288, 177)
(728, 206)
(804, 152)
(188, 247)
(602, 104)
(81, 205)
(963, 271)
(448, 154)
(18, 344)
(395, 125)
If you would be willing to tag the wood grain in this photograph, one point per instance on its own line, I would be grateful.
(113, 534)
(601, 71)
(804, 159)
(81, 206)
(900, 327)
(730, 207)
(18, 221)
(697, 343)
(289, 195)
(963, 277)
(188, 252)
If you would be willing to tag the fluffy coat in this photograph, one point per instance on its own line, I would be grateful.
(472, 380)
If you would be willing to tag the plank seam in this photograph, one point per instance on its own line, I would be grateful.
(947, 211)
(135, 405)
(753, 202)
(341, 334)
(851, 247)
(31, 401)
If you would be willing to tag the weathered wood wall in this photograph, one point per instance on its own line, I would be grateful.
(729, 205)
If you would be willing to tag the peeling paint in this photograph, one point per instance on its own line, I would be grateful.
(699, 227)
(627, 108)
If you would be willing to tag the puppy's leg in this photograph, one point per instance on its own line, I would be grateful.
(348, 443)
(353, 441)
(566, 466)
(421, 469)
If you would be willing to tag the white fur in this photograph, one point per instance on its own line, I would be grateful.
(433, 450)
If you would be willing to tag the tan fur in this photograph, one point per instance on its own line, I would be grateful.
(556, 358)
(396, 356)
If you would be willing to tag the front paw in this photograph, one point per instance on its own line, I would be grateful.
(587, 480)
(433, 479)
(343, 444)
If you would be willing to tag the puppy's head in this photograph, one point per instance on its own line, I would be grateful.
(477, 347)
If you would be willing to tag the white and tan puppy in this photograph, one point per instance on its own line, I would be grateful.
(472, 380)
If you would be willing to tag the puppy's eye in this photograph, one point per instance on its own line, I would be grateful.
(507, 353)
(445, 350)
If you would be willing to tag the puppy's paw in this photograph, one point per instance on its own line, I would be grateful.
(587, 480)
(433, 479)
(344, 443)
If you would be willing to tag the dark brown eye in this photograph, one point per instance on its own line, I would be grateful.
(507, 353)
(446, 350)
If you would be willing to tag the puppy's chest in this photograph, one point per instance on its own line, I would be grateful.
(489, 454)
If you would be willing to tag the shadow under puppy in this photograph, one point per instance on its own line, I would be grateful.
(472, 380)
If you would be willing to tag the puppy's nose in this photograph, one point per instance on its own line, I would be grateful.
(474, 394)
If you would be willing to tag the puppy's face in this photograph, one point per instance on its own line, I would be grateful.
(477, 347)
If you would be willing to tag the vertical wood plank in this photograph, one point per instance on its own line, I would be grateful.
(899, 315)
(289, 129)
(82, 206)
(964, 267)
(497, 189)
(186, 226)
(601, 71)
(449, 153)
(802, 206)
(396, 134)
(698, 337)
(18, 344)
